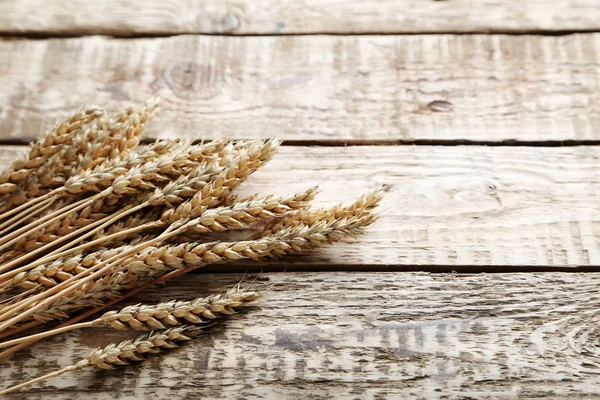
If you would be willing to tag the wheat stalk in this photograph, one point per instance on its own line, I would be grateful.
(185, 258)
(159, 259)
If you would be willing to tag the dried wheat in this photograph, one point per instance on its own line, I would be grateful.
(175, 313)
(156, 261)
(306, 216)
(43, 149)
(125, 352)
(160, 316)
(238, 215)
(99, 213)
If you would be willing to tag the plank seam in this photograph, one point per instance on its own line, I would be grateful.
(148, 35)
(400, 142)
(470, 269)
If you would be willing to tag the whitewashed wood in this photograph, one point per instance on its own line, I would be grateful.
(156, 17)
(349, 88)
(450, 208)
(359, 335)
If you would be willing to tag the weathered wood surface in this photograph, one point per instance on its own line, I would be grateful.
(340, 88)
(273, 17)
(449, 208)
(358, 335)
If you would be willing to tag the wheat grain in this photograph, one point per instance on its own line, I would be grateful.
(92, 146)
(299, 238)
(118, 181)
(174, 192)
(250, 160)
(105, 174)
(128, 175)
(245, 164)
(154, 261)
(137, 270)
(117, 136)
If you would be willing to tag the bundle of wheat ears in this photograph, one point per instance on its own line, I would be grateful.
(89, 217)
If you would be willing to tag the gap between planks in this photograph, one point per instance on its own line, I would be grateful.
(149, 35)
(277, 17)
(359, 142)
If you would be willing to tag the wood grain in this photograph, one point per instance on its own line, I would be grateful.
(486, 88)
(359, 335)
(155, 17)
(468, 208)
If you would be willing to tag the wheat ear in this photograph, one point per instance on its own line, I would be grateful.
(123, 353)
(17, 175)
(108, 169)
(159, 316)
(116, 136)
(100, 142)
(187, 257)
(306, 216)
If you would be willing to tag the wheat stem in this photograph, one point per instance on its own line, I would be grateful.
(36, 200)
(41, 378)
(176, 229)
(20, 328)
(45, 298)
(10, 265)
(232, 178)
(39, 336)
(12, 223)
(43, 222)
(238, 215)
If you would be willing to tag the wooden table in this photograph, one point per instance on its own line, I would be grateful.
(483, 115)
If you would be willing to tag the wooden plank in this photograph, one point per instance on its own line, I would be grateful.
(450, 207)
(155, 17)
(352, 88)
(358, 335)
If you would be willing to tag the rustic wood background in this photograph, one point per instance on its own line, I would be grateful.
(483, 115)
